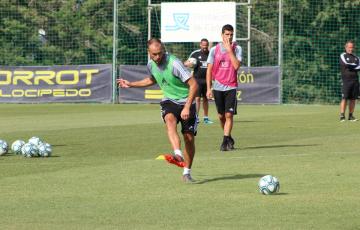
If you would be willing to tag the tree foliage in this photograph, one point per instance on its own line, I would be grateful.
(314, 36)
(75, 32)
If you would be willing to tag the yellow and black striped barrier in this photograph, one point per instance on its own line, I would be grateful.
(154, 94)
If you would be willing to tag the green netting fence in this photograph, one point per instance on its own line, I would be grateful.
(56, 32)
(312, 35)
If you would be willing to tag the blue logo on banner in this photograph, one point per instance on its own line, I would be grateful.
(180, 20)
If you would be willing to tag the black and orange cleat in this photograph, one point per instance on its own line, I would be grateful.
(175, 159)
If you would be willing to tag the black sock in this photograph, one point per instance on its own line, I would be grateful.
(342, 114)
(350, 115)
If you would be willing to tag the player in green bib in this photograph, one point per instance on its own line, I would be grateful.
(179, 89)
(172, 86)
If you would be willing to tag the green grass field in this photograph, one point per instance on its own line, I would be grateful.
(103, 173)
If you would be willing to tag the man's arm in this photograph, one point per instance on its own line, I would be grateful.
(209, 80)
(234, 61)
(142, 83)
(186, 77)
(346, 64)
(193, 88)
(357, 68)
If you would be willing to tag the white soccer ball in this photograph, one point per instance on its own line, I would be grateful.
(16, 146)
(35, 140)
(3, 147)
(29, 150)
(45, 150)
(269, 185)
(192, 62)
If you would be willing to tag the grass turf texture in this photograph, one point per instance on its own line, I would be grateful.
(103, 173)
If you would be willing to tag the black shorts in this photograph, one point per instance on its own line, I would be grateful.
(350, 90)
(202, 89)
(226, 101)
(187, 126)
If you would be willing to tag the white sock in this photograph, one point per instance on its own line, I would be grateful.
(178, 152)
(186, 171)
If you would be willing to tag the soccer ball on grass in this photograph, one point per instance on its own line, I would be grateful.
(35, 140)
(269, 185)
(16, 146)
(3, 147)
(29, 150)
(45, 150)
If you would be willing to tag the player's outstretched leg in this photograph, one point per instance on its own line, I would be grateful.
(189, 153)
(177, 158)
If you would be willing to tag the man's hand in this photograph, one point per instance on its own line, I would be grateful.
(227, 45)
(229, 49)
(185, 113)
(209, 94)
(123, 83)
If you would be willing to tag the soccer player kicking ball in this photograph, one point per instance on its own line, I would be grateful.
(179, 88)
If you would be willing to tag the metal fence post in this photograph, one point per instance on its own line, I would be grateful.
(115, 48)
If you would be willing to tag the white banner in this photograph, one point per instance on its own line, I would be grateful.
(192, 21)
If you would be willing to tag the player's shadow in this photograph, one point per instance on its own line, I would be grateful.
(59, 145)
(276, 146)
(230, 177)
(248, 121)
(280, 194)
(9, 155)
